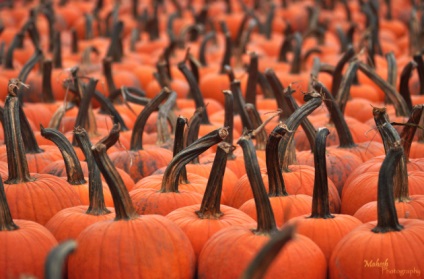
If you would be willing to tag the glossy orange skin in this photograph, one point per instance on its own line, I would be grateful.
(149, 246)
(24, 250)
(199, 230)
(388, 247)
(229, 251)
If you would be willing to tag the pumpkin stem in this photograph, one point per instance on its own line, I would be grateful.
(172, 172)
(391, 93)
(196, 94)
(255, 118)
(179, 145)
(252, 79)
(391, 139)
(46, 83)
(391, 68)
(48, 11)
(226, 60)
(74, 41)
(239, 104)
(229, 120)
(124, 208)
(266, 221)
(265, 86)
(6, 221)
(75, 175)
(276, 182)
(192, 133)
(27, 68)
(343, 93)
(115, 50)
(410, 128)
(420, 69)
(56, 259)
(338, 70)
(16, 158)
(386, 212)
(152, 23)
(57, 51)
(195, 65)
(210, 36)
(17, 40)
(85, 117)
(96, 205)
(404, 82)
(139, 124)
(345, 136)
(264, 258)
(277, 90)
(107, 72)
(296, 63)
(320, 203)
(211, 202)
(165, 112)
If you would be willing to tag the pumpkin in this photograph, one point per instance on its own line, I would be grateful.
(379, 242)
(137, 255)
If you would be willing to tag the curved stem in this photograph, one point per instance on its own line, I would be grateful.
(179, 144)
(239, 104)
(17, 40)
(343, 131)
(115, 49)
(264, 258)
(418, 58)
(296, 64)
(226, 60)
(136, 142)
(343, 93)
(107, 72)
(255, 118)
(56, 259)
(338, 71)
(30, 64)
(410, 128)
(390, 91)
(57, 51)
(74, 173)
(265, 215)
(265, 86)
(210, 36)
(387, 219)
(164, 135)
(404, 83)
(229, 120)
(172, 172)
(278, 89)
(195, 91)
(16, 159)
(97, 204)
(392, 68)
(192, 133)
(320, 202)
(124, 208)
(211, 202)
(112, 138)
(252, 79)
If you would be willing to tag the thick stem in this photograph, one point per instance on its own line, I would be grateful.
(239, 104)
(255, 118)
(74, 41)
(278, 89)
(107, 72)
(296, 64)
(115, 50)
(265, 86)
(252, 79)
(172, 172)
(16, 158)
(74, 173)
(46, 82)
(343, 131)
(179, 144)
(418, 58)
(265, 219)
(343, 93)
(338, 71)
(195, 91)
(226, 60)
(404, 83)
(97, 204)
(56, 259)
(17, 40)
(57, 51)
(124, 208)
(392, 139)
(210, 36)
(276, 182)
(30, 64)
(264, 258)
(392, 68)
(164, 135)
(192, 133)
(229, 119)
(390, 91)
(410, 128)
(136, 142)
(112, 138)
(211, 202)
(320, 202)
(6, 221)
(387, 219)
